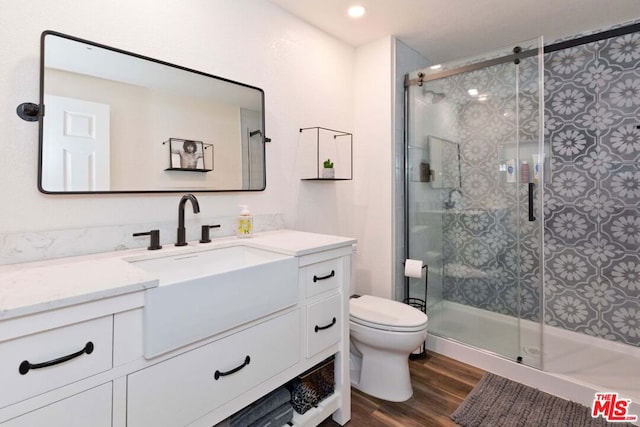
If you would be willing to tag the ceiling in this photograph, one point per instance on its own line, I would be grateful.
(445, 30)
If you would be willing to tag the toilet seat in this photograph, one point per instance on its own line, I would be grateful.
(385, 314)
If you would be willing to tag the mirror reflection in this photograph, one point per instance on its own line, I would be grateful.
(119, 122)
(444, 158)
(436, 161)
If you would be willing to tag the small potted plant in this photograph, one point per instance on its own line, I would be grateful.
(327, 171)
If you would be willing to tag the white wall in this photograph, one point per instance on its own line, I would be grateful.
(373, 199)
(307, 77)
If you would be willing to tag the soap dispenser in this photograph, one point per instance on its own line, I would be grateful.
(245, 222)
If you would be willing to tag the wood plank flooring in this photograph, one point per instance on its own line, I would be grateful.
(440, 384)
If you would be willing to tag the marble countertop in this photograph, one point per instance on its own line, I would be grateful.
(297, 243)
(34, 287)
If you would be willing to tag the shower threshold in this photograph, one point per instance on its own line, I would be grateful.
(574, 366)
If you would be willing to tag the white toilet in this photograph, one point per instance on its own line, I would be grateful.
(383, 334)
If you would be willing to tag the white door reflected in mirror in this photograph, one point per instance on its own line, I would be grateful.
(77, 155)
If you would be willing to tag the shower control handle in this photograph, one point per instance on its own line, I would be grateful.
(531, 190)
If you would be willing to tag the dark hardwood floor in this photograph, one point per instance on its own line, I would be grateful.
(440, 384)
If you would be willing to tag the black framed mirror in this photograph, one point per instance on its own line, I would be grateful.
(113, 121)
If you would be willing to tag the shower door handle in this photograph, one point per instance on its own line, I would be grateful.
(531, 190)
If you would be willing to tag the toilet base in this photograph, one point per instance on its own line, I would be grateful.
(383, 349)
(384, 375)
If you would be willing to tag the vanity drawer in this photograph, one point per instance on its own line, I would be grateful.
(89, 408)
(323, 324)
(322, 277)
(90, 344)
(186, 387)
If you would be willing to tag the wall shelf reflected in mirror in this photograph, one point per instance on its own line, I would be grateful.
(188, 169)
(189, 155)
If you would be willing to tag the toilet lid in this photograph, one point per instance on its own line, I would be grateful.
(382, 313)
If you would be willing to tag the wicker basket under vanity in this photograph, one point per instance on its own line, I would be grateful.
(312, 386)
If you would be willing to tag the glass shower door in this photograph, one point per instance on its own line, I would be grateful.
(473, 199)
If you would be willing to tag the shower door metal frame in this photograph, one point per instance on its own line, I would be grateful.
(616, 32)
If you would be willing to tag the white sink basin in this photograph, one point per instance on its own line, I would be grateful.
(178, 268)
(204, 293)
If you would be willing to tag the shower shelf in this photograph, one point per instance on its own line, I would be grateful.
(524, 151)
(318, 144)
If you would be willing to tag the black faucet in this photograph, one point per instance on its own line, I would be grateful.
(182, 241)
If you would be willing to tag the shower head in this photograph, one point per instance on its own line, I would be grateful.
(435, 96)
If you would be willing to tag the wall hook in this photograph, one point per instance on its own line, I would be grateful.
(29, 111)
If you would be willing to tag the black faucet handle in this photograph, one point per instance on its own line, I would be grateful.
(205, 233)
(154, 244)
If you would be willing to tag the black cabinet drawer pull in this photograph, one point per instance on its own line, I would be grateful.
(320, 328)
(328, 276)
(25, 366)
(219, 374)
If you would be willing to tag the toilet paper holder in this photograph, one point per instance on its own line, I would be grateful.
(420, 304)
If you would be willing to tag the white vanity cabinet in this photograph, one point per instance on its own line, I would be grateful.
(88, 408)
(88, 365)
(56, 366)
(324, 290)
(37, 363)
(325, 278)
(184, 388)
(323, 324)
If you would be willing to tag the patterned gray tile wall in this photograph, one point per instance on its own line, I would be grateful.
(592, 225)
(592, 219)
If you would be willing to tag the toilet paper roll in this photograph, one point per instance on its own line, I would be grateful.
(413, 268)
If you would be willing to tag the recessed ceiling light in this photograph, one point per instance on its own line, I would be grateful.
(356, 11)
(473, 92)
